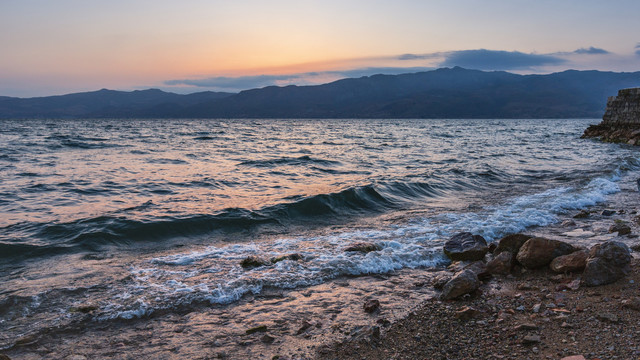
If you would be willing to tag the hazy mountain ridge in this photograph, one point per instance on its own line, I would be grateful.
(442, 93)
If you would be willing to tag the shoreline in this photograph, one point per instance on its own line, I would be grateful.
(528, 314)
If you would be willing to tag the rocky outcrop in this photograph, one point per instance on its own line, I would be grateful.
(621, 120)
(465, 246)
(607, 263)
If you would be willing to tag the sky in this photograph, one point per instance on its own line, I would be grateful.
(63, 46)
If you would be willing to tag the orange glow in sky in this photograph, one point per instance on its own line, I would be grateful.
(52, 47)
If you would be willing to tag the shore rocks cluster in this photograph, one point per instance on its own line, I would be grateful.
(603, 264)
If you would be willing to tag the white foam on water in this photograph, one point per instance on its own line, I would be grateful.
(214, 274)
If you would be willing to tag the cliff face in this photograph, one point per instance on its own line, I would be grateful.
(621, 120)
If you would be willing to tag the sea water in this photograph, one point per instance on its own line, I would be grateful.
(105, 221)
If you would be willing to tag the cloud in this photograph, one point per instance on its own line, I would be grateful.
(638, 49)
(498, 60)
(225, 83)
(591, 51)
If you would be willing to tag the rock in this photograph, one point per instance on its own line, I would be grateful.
(537, 252)
(607, 212)
(4, 357)
(479, 268)
(253, 261)
(501, 264)
(531, 339)
(466, 313)
(440, 280)
(371, 306)
(633, 304)
(375, 334)
(572, 285)
(536, 308)
(526, 326)
(462, 283)
(582, 214)
(363, 247)
(568, 223)
(576, 261)
(607, 317)
(292, 257)
(305, 326)
(635, 247)
(465, 246)
(512, 243)
(621, 228)
(267, 339)
(253, 330)
(574, 357)
(579, 233)
(607, 263)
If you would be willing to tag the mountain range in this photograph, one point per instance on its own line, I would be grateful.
(442, 93)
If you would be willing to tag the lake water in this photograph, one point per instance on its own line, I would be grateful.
(107, 222)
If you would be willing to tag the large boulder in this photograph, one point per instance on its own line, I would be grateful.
(576, 261)
(465, 246)
(538, 252)
(511, 243)
(464, 282)
(607, 263)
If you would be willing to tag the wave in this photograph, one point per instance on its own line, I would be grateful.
(302, 160)
(119, 229)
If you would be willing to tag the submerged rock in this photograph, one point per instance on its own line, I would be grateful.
(363, 247)
(465, 246)
(537, 252)
(292, 257)
(607, 263)
(576, 261)
(253, 261)
(462, 283)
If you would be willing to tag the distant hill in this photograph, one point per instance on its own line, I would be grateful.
(442, 93)
(103, 103)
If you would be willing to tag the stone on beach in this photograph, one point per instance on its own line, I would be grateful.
(512, 243)
(538, 252)
(621, 228)
(576, 261)
(607, 263)
(465, 246)
(501, 264)
(462, 283)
